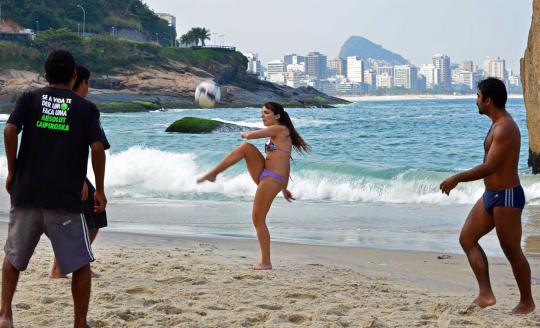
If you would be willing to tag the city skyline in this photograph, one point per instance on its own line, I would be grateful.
(463, 29)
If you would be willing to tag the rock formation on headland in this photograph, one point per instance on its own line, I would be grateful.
(530, 77)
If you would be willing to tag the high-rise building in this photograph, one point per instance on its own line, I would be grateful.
(468, 65)
(442, 63)
(276, 72)
(495, 67)
(316, 65)
(405, 76)
(293, 59)
(431, 74)
(385, 81)
(355, 69)
(466, 78)
(254, 65)
(338, 66)
(370, 78)
(388, 70)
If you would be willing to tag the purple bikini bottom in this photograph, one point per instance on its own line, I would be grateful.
(267, 173)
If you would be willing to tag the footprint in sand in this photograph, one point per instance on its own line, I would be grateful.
(127, 315)
(269, 306)
(138, 291)
(23, 306)
(151, 302)
(297, 318)
(175, 280)
(167, 309)
(248, 276)
(301, 296)
(48, 300)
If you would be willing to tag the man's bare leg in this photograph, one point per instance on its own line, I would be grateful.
(10, 278)
(55, 271)
(508, 225)
(479, 223)
(80, 289)
(93, 235)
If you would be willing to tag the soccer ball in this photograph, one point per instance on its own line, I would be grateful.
(207, 94)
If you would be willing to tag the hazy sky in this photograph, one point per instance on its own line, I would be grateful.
(416, 29)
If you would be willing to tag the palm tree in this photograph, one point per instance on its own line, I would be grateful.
(189, 39)
(203, 34)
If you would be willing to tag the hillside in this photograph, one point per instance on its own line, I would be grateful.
(101, 16)
(133, 76)
(365, 49)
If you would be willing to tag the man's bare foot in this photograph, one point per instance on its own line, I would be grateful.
(54, 274)
(6, 323)
(484, 301)
(208, 177)
(262, 266)
(94, 274)
(524, 308)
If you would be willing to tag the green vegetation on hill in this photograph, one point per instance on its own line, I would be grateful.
(105, 54)
(101, 16)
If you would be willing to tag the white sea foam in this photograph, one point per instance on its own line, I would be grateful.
(4, 117)
(145, 173)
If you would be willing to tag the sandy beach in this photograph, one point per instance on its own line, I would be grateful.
(152, 281)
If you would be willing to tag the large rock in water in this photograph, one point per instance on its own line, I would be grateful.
(530, 78)
(202, 125)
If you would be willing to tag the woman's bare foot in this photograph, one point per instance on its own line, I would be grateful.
(262, 266)
(484, 301)
(209, 177)
(524, 308)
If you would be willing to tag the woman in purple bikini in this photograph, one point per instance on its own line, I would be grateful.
(271, 174)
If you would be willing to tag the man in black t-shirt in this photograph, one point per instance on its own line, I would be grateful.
(94, 221)
(45, 180)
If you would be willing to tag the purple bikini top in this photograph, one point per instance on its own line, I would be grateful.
(270, 146)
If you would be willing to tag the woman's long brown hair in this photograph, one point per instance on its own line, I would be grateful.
(298, 143)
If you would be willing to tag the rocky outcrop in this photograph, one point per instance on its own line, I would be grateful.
(202, 125)
(530, 77)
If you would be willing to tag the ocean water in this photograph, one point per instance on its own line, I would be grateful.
(372, 178)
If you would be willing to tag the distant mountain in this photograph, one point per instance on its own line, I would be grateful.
(364, 49)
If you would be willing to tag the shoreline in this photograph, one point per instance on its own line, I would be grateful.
(417, 97)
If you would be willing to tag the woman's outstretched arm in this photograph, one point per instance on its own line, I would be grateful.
(268, 132)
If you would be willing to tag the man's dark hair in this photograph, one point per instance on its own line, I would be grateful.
(495, 89)
(59, 67)
(83, 74)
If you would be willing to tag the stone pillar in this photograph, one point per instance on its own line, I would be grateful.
(530, 78)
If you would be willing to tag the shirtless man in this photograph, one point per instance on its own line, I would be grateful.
(502, 203)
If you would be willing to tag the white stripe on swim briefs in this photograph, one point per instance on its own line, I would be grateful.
(505, 197)
(512, 191)
(86, 237)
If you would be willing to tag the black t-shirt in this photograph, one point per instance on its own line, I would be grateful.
(58, 126)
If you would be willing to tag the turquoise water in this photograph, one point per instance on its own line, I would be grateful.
(368, 158)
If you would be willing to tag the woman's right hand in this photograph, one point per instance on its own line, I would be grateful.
(244, 135)
(288, 196)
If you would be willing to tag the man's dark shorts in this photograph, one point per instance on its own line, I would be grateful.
(511, 197)
(93, 220)
(67, 231)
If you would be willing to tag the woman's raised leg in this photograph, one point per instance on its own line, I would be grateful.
(254, 160)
